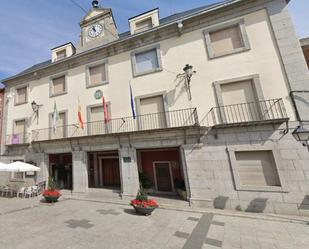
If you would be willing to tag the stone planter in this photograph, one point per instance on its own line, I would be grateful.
(51, 199)
(144, 211)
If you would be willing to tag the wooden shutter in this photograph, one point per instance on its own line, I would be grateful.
(226, 40)
(240, 102)
(59, 85)
(152, 113)
(257, 168)
(144, 25)
(20, 127)
(22, 95)
(97, 74)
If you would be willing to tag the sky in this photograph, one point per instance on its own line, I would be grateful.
(30, 28)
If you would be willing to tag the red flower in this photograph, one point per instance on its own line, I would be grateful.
(144, 204)
(51, 193)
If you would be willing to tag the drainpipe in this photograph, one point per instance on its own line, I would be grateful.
(295, 106)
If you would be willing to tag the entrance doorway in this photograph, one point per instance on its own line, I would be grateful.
(103, 170)
(60, 168)
(163, 176)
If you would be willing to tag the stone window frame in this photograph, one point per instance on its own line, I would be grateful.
(27, 94)
(252, 148)
(146, 49)
(256, 84)
(51, 84)
(94, 64)
(66, 112)
(217, 27)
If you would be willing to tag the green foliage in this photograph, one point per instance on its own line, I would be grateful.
(51, 183)
(142, 195)
(144, 181)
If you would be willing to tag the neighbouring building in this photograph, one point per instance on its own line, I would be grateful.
(305, 46)
(216, 91)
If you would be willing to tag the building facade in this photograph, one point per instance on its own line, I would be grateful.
(220, 132)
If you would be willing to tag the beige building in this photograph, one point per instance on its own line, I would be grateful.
(220, 131)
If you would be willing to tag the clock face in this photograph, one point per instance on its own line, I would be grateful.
(95, 30)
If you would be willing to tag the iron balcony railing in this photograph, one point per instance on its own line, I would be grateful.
(154, 121)
(18, 138)
(261, 111)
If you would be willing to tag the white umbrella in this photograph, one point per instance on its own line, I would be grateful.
(3, 167)
(22, 167)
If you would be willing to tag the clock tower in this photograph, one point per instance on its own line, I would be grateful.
(97, 28)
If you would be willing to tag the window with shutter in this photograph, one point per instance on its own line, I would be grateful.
(97, 75)
(59, 86)
(21, 96)
(143, 25)
(257, 168)
(226, 40)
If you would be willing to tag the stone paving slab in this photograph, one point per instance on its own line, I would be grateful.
(75, 224)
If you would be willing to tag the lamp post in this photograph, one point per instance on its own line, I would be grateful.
(301, 135)
(35, 108)
(188, 69)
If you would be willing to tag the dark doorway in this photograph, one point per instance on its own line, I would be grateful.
(163, 176)
(103, 170)
(60, 168)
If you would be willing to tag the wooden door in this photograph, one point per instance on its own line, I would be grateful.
(110, 172)
(163, 177)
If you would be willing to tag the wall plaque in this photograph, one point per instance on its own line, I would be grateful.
(127, 159)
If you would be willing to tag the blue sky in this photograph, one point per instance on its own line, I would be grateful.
(30, 28)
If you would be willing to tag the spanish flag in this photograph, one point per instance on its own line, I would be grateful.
(79, 115)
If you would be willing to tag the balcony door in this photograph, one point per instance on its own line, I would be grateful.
(60, 130)
(152, 113)
(97, 124)
(19, 136)
(240, 103)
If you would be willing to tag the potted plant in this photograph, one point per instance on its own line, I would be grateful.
(181, 188)
(142, 204)
(145, 183)
(51, 194)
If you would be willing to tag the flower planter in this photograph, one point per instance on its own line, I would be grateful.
(144, 210)
(51, 199)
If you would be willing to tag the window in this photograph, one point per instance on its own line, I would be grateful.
(58, 85)
(21, 95)
(143, 25)
(257, 168)
(61, 54)
(97, 119)
(96, 75)
(146, 61)
(152, 114)
(227, 38)
(19, 135)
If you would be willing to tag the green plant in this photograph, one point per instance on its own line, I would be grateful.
(144, 181)
(141, 195)
(180, 184)
(51, 183)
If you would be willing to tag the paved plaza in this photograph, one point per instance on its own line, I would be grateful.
(77, 224)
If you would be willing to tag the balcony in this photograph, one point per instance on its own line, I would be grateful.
(17, 139)
(148, 122)
(265, 111)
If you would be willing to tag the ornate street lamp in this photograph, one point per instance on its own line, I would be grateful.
(188, 69)
(301, 135)
(35, 108)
